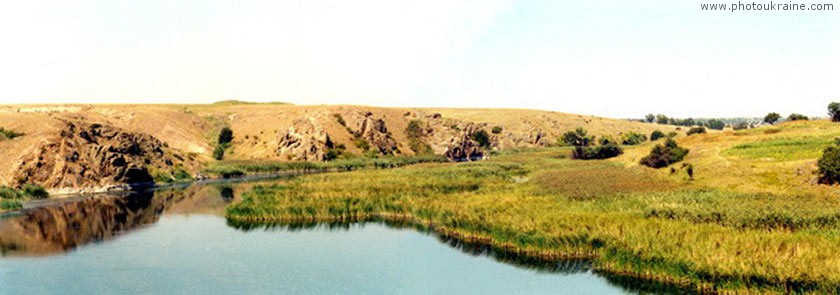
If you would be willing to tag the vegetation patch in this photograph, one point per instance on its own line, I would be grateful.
(9, 134)
(663, 155)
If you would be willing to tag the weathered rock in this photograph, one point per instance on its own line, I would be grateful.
(463, 147)
(86, 156)
(304, 141)
(374, 131)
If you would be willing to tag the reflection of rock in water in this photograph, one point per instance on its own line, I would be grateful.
(61, 227)
(65, 226)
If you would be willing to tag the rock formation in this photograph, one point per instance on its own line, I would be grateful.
(304, 141)
(94, 156)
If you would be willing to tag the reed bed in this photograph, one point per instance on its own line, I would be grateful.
(628, 221)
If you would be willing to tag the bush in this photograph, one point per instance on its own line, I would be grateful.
(8, 193)
(362, 144)
(335, 152)
(481, 137)
(10, 204)
(797, 117)
(656, 135)
(771, 118)
(219, 152)
(633, 138)
(497, 129)
(605, 151)
(696, 130)
(664, 155)
(578, 137)
(340, 119)
(829, 165)
(34, 191)
(225, 136)
(8, 134)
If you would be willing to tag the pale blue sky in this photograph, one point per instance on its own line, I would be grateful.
(611, 58)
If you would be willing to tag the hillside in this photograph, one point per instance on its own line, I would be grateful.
(171, 140)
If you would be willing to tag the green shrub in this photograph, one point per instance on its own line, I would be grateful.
(696, 130)
(11, 204)
(219, 152)
(8, 134)
(656, 134)
(578, 137)
(664, 155)
(8, 193)
(829, 165)
(340, 119)
(633, 138)
(481, 137)
(225, 136)
(605, 151)
(362, 144)
(34, 191)
(335, 152)
(497, 129)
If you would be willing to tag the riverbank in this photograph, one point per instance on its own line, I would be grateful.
(630, 221)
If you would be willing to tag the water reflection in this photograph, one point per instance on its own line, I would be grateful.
(560, 266)
(61, 226)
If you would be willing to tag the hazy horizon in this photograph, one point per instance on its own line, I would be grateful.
(605, 58)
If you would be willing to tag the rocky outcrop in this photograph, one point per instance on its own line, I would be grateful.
(373, 130)
(304, 141)
(464, 147)
(94, 156)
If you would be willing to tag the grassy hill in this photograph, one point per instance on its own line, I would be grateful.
(259, 129)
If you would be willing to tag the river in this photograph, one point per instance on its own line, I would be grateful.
(178, 241)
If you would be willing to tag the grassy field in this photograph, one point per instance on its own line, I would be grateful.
(752, 221)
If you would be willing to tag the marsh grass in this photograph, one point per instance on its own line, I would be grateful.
(628, 221)
(236, 168)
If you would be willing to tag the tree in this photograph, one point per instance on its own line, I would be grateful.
(771, 118)
(696, 130)
(578, 137)
(834, 111)
(663, 155)
(662, 119)
(633, 138)
(656, 134)
(715, 124)
(219, 152)
(225, 136)
(650, 118)
(828, 166)
(797, 117)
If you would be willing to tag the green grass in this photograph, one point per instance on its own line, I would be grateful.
(783, 149)
(243, 167)
(628, 221)
(12, 199)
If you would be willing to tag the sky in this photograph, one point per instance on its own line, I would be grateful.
(615, 58)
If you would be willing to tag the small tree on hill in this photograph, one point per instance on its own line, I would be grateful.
(834, 111)
(662, 119)
(225, 136)
(829, 164)
(650, 118)
(797, 117)
(771, 118)
(579, 137)
(715, 124)
(663, 155)
(696, 130)
(656, 134)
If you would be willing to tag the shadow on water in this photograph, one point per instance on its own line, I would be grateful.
(558, 266)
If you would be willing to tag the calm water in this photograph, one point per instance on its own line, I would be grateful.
(177, 241)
